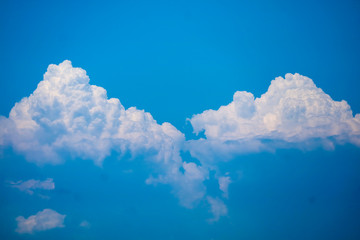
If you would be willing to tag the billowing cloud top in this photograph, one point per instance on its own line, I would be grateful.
(65, 114)
(41, 221)
(292, 110)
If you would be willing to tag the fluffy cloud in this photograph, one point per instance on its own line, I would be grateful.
(292, 111)
(67, 115)
(30, 185)
(85, 224)
(41, 221)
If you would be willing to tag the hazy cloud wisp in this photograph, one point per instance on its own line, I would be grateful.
(30, 185)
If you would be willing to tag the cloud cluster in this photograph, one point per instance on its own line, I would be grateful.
(30, 185)
(66, 117)
(224, 185)
(292, 113)
(41, 221)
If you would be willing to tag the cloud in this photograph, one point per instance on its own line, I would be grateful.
(218, 208)
(30, 185)
(44, 220)
(224, 185)
(85, 224)
(66, 117)
(188, 184)
(292, 113)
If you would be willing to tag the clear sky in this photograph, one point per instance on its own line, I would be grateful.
(284, 166)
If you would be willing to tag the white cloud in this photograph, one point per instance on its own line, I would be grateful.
(85, 224)
(187, 184)
(66, 115)
(30, 185)
(224, 185)
(292, 111)
(218, 208)
(43, 220)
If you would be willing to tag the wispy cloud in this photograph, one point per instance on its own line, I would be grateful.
(30, 185)
(218, 208)
(66, 117)
(188, 183)
(224, 185)
(66, 113)
(44, 220)
(85, 224)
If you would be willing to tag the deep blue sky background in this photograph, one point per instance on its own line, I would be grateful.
(175, 59)
(178, 58)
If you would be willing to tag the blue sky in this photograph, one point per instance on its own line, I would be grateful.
(292, 169)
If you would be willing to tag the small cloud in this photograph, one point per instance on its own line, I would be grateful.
(41, 221)
(85, 224)
(224, 185)
(188, 183)
(30, 185)
(218, 209)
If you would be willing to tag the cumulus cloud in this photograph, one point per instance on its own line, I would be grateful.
(292, 111)
(30, 185)
(66, 115)
(188, 184)
(44, 220)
